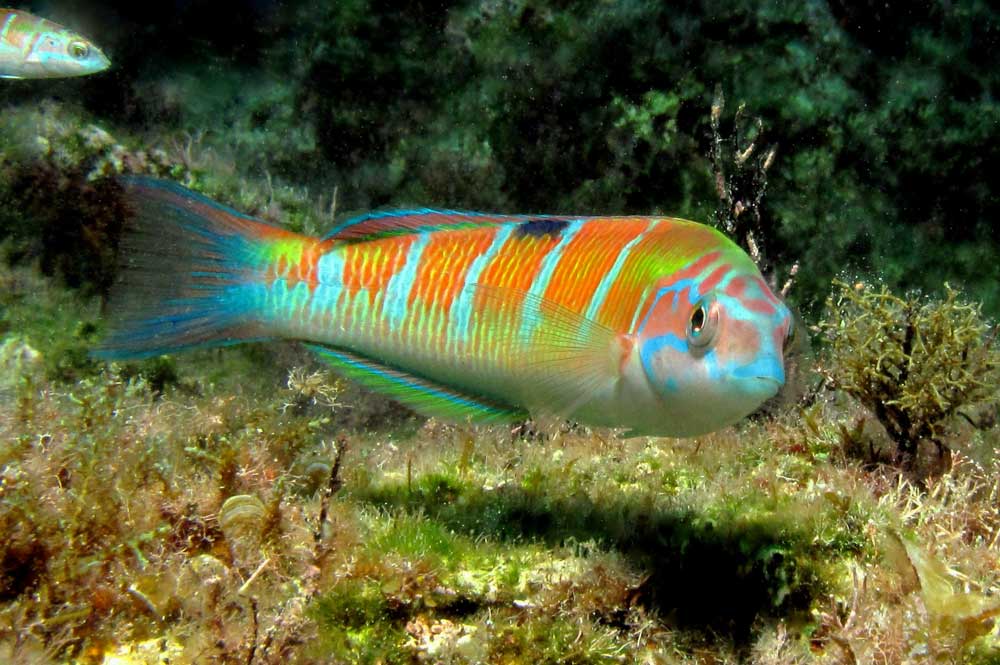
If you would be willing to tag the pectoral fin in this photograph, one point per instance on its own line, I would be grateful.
(569, 358)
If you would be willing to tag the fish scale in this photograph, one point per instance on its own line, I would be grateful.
(655, 324)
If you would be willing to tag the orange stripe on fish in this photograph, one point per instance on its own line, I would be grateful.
(587, 259)
(372, 267)
(518, 262)
(620, 307)
(445, 264)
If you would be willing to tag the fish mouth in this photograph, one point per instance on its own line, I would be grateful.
(762, 387)
(763, 377)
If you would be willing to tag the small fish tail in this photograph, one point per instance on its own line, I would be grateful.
(189, 274)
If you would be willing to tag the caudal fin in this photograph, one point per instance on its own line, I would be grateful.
(187, 273)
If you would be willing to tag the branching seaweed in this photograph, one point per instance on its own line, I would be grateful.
(740, 166)
(914, 363)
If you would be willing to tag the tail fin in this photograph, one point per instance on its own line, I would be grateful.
(186, 276)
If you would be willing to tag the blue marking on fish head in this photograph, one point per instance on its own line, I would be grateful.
(63, 52)
(712, 355)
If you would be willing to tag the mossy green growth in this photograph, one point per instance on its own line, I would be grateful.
(415, 538)
(557, 641)
(190, 518)
(353, 622)
(760, 549)
(47, 328)
(913, 362)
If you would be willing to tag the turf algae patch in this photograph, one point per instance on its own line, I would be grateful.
(354, 622)
(758, 566)
(242, 521)
(751, 550)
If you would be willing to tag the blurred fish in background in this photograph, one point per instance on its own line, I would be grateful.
(32, 47)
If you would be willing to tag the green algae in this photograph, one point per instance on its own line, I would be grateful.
(118, 493)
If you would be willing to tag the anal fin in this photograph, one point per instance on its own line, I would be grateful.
(422, 395)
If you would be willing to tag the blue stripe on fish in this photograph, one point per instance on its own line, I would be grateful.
(765, 366)
(601, 293)
(460, 314)
(397, 292)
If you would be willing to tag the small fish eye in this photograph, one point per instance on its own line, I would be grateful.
(703, 325)
(697, 320)
(79, 50)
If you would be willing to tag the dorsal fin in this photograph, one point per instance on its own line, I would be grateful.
(381, 224)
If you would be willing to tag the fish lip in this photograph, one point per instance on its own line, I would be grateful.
(101, 62)
(765, 386)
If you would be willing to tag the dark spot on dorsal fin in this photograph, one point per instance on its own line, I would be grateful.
(542, 227)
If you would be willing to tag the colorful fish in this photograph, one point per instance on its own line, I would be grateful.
(659, 325)
(32, 47)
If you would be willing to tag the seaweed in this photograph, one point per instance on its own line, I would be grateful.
(914, 363)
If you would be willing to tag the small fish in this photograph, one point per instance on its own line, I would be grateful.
(658, 325)
(32, 47)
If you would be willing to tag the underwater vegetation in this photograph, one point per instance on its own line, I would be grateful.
(217, 518)
(916, 364)
(244, 505)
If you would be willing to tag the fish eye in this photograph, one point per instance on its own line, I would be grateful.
(79, 50)
(703, 324)
(698, 317)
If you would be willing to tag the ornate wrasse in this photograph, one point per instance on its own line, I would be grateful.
(33, 47)
(659, 325)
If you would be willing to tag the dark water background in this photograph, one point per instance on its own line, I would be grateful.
(885, 114)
